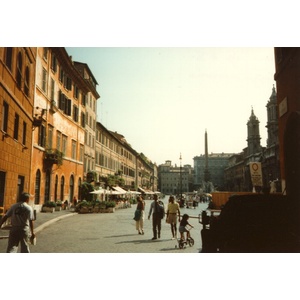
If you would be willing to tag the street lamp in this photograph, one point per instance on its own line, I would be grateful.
(180, 177)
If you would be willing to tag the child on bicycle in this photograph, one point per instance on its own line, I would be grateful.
(182, 227)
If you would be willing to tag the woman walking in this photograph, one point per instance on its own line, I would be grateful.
(172, 213)
(141, 211)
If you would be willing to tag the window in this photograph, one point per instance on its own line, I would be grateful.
(24, 133)
(68, 83)
(73, 149)
(90, 140)
(75, 113)
(76, 92)
(16, 127)
(50, 137)
(58, 140)
(84, 99)
(42, 136)
(52, 89)
(68, 107)
(64, 144)
(53, 63)
(8, 57)
(87, 118)
(81, 151)
(44, 80)
(26, 82)
(19, 70)
(61, 75)
(82, 119)
(4, 116)
(65, 104)
(45, 53)
(61, 100)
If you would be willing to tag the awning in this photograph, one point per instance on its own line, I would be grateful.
(119, 189)
(147, 192)
(111, 192)
(142, 190)
(133, 192)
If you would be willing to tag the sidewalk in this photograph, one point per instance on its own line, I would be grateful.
(42, 220)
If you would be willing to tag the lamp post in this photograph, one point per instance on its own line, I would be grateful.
(180, 178)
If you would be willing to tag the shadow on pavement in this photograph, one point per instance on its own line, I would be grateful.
(121, 235)
(141, 241)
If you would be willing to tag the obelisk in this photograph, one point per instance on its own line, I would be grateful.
(206, 172)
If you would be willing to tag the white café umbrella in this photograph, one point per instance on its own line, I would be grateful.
(101, 191)
(115, 192)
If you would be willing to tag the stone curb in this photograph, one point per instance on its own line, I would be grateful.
(41, 227)
(48, 223)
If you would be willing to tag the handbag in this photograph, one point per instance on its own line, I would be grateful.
(137, 215)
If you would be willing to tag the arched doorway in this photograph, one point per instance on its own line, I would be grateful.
(292, 156)
(47, 186)
(79, 188)
(62, 188)
(55, 188)
(71, 194)
(37, 188)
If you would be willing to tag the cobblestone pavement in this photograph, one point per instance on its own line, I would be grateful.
(67, 232)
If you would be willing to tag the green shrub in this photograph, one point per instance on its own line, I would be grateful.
(58, 203)
(110, 204)
(50, 204)
(133, 201)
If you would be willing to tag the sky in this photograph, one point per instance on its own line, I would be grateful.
(163, 99)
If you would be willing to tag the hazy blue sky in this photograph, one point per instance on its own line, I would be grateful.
(163, 99)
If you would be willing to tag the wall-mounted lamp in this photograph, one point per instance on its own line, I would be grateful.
(38, 117)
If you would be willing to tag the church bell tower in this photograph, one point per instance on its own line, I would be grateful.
(253, 135)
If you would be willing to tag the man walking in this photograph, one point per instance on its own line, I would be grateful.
(156, 217)
(22, 225)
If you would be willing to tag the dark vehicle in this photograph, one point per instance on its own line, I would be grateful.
(258, 223)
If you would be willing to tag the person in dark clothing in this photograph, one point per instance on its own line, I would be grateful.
(156, 217)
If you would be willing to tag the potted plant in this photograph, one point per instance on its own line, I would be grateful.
(108, 206)
(84, 207)
(49, 206)
(58, 206)
(96, 207)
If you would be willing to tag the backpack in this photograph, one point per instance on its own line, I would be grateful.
(161, 210)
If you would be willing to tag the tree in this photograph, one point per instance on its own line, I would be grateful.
(86, 189)
(112, 180)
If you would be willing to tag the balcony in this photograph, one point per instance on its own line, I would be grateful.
(37, 121)
(53, 156)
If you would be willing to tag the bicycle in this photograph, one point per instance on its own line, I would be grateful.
(183, 243)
